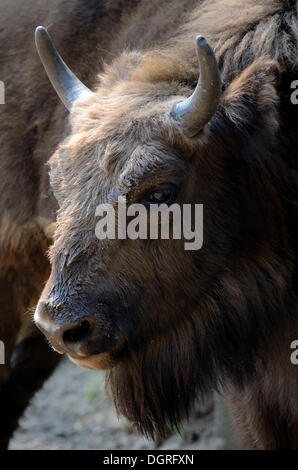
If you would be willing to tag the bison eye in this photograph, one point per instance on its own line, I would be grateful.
(162, 195)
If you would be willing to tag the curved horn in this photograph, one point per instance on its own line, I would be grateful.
(66, 84)
(197, 110)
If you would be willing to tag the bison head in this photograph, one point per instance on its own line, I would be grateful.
(164, 321)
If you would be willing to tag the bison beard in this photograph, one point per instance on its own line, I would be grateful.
(157, 383)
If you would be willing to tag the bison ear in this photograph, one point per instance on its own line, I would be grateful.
(251, 100)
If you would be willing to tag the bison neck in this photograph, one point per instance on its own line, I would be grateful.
(265, 410)
(235, 340)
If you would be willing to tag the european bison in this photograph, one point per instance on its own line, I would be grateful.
(165, 323)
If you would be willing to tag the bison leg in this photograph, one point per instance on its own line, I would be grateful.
(31, 364)
(28, 358)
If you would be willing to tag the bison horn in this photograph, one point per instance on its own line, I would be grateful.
(66, 84)
(197, 110)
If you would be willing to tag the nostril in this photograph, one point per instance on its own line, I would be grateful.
(76, 334)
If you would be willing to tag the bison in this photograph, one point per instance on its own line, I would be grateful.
(162, 118)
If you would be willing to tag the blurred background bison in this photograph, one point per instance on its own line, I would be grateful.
(165, 323)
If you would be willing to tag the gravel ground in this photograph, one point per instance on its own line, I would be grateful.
(72, 412)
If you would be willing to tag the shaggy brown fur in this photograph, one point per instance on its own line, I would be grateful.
(224, 316)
